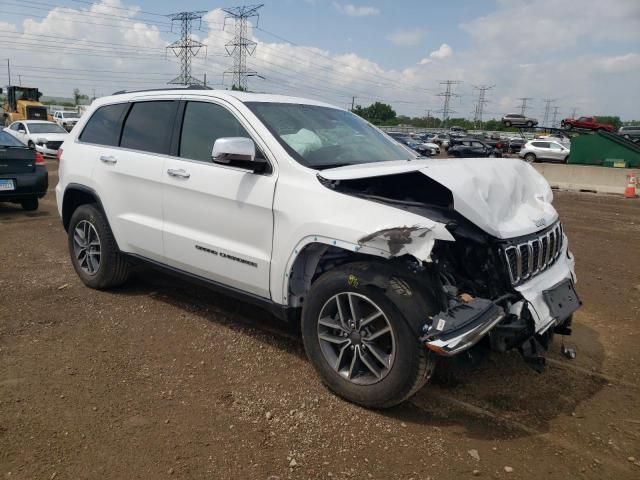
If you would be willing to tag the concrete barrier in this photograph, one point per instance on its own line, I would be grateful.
(585, 178)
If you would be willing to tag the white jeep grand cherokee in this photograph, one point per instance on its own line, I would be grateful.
(386, 260)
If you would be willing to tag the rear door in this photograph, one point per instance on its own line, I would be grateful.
(218, 219)
(128, 176)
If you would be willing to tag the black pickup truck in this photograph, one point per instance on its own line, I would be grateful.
(23, 174)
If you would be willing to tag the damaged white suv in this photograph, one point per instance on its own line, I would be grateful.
(386, 260)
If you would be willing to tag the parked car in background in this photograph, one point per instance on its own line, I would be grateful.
(517, 120)
(588, 123)
(65, 119)
(442, 139)
(23, 174)
(414, 145)
(515, 144)
(46, 137)
(538, 150)
(456, 129)
(631, 132)
(556, 137)
(472, 148)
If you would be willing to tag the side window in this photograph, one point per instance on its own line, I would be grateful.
(203, 124)
(15, 127)
(148, 126)
(103, 127)
(555, 146)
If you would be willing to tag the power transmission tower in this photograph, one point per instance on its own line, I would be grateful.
(447, 94)
(186, 47)
(523, 105)
(554, 123)
(482, 90)
(547, 109)
(241, 47)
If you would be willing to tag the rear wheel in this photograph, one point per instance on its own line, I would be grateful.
(568, 126)
(529, 124)
(507, 124)
(530, 158)
(360, 343)
(31, 145)
(93, 249)
(30, 204)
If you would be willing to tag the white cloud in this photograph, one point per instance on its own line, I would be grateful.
(355, 11)
(425, 61)
(407, 37)
(443, 52)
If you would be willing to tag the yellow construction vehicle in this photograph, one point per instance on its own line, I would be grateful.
(23, 103)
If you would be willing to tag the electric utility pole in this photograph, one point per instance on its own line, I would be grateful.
(547, 110)
(186, 47)
(555, 117)
(448, 95)
(9, 70)
(482, 90)
(241, 47)
(523, 105)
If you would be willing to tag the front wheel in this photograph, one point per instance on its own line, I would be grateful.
(507, 124)
(359, 342)
(530, 158)
(529, 124)
(568, 126)
(93, 249)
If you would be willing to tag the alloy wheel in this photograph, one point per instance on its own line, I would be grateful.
(356, 338)
(87, 247)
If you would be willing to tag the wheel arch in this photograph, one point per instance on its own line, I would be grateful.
(410, 293)
(76, 195)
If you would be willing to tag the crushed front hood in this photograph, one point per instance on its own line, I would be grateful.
(504, 197)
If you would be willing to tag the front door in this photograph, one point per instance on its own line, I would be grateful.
(218, 219)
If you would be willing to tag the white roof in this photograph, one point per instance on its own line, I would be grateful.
(35, 121)
(229, 95)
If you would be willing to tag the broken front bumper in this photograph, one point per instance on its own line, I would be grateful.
(461, 327)
(549, 299)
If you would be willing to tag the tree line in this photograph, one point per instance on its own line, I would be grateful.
(380, 113)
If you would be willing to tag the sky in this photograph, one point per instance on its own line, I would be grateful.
(583, 55)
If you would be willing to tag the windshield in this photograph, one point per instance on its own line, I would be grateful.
(46, 128)
(323, 137)
(8, 140)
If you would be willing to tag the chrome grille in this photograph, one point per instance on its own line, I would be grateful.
(528, 258)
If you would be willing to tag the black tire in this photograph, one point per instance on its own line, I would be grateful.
(113, 269)
(568, 126)
(566, 159)
(31, 145)
(529, 124)
(412, 363)
(30, 204)
(530, 158)
(507, 124)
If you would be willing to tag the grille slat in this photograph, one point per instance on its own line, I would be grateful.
(526, 259)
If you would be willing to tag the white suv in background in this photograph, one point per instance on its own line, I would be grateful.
(385, 260)
(544, 149)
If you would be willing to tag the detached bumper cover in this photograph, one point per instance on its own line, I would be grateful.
(460, 328)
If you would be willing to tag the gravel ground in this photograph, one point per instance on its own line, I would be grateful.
(163, 379)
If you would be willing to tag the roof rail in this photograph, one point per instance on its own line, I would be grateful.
(188, 87)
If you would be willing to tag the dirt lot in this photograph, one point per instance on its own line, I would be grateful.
(161, 379)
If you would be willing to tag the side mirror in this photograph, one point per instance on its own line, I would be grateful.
(239, 152)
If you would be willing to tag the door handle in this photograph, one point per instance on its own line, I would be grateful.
(180, 173)
(110, 159)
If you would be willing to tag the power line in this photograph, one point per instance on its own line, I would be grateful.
(482, 89)
(523, 105)
(241, 47)
(447, 94)
(186, 47)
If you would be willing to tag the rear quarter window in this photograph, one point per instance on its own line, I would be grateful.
(103, 128)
